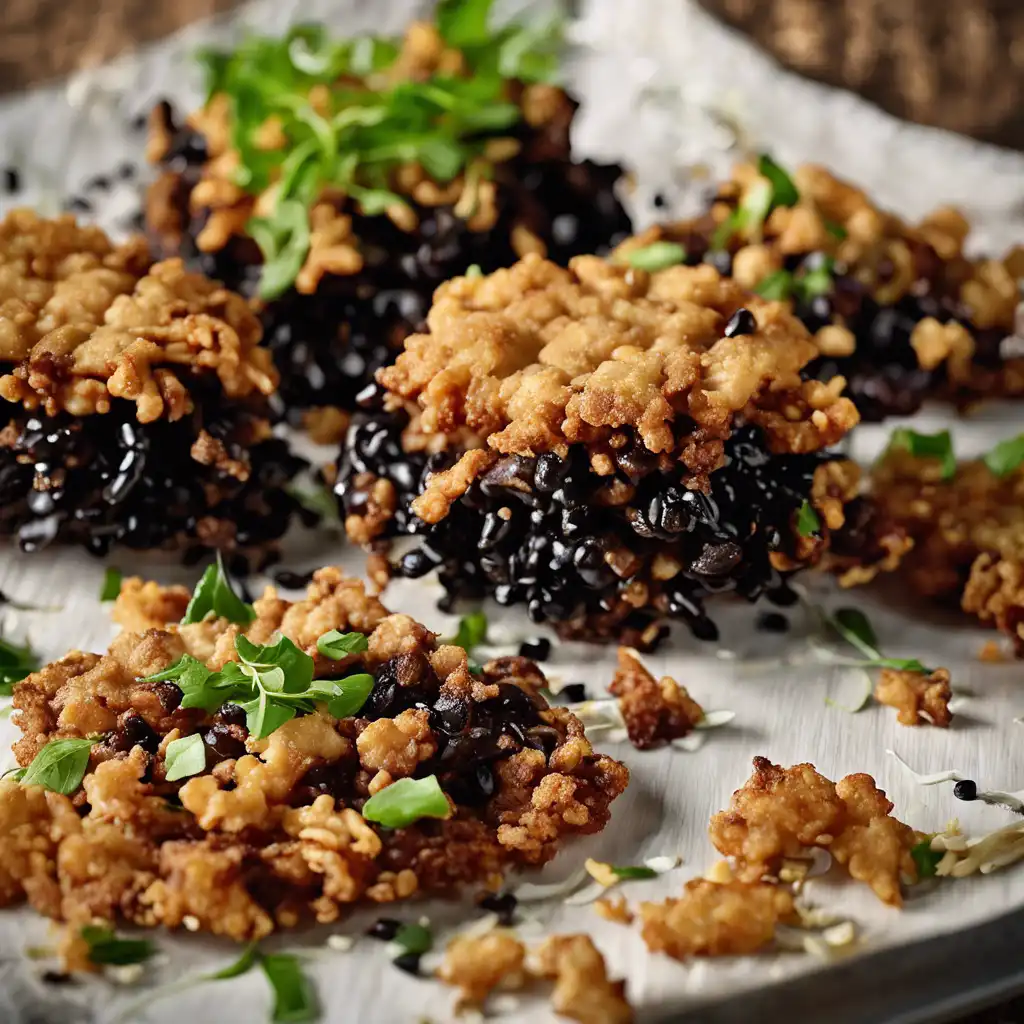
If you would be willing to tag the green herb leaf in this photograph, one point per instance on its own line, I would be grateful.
(250, 955)
(656, 256)
(214, 596)
(1006, 456)
(414, 938)
(111, 584)
(474, 270)
(464, 23)
(856, 629)
(927, 446)
(784, 192)
(345, 697)
(106, 949)
(777, 286)
(811, 283)
(283, 239)
(60, 766)
(16, 662)
(633, 871)
(837, 231)
(201, 687)
(263, 715)
(807, 521)
(925, 858)
(472, 631)
(406, 801)
(340, 645)
(185, 756)
(283, 668)
(318, 500)
(294, 999)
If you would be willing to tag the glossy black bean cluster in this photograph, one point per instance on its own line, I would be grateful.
(106, 480)
(530, 530)
(328, 345)
(883, 375)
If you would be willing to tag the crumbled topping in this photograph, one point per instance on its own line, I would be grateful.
(917, 697)
(537, 357)
(85, 323)
(583, 990)
(654, 711)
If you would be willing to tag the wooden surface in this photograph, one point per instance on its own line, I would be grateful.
(917, 965)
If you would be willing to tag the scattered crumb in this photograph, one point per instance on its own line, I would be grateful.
(614, 908)
(918, 698)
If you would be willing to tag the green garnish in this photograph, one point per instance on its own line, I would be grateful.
(474, 270)
(784, 192)
(926, 446)
(837, 231)
(272, 684)
(106, 949)
(925, 858)
(294, 999)
(748, 215)
(807, 521)
(406, 801)
(804, 285)
(59, 767)
(250, 955)
(185, 756)
(366, 125)
(853, 626)
(472, 631)
(627, 871)
(16, 662)
(318, 500)
(414, 938)
(1006, 456)
(111, 584)
(656, 256)
(777, 286)
(340, 645)
(214, 596)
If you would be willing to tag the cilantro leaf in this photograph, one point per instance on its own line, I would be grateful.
(472, 631)
(776, 286)
(406, 801)
(214, 596)
(111, 584)
(1006, 456)
(60, 766)
(16, 662)
(185, 756)
(294, 999)
(106, 949)
(926, 446)
(656, 256)
(807, 521)
(336, 645)
(784, 192)
(925, 858)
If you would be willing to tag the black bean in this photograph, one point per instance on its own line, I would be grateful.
(741, 322)
(772, 622)
(12, 180)
(537, 649)
(408, 962)
(503, 905)
(966, 789)
(573, 693)
(134, 731)
(384, 928)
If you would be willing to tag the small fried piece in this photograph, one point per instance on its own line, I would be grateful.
(583, 990)
(479, 964)
(917, 698)
(655, 711)
(715, 919)
(874, 846)
(779, 812)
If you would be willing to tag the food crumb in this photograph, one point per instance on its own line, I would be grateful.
(614, 908)
(992, 652)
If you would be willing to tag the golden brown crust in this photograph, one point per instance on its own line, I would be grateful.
(782, 812)
(655, 711)
(583, 990)
(711, 919)
(255, 844)
(85, 323)
(537, 357)
(918, 698)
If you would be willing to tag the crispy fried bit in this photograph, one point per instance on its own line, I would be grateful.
(270, 834)
(716, 919)
(917, 697)
(535, 357)
(614, 908)
(583, 990)
(968, 534)
(478, 965)
(85, 323)
(654, 711)
(780, 812)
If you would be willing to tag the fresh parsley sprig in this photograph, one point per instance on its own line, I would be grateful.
(214, 596)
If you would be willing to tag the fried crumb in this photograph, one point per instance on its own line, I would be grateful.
(918, 698)
(716, 919)
(655, 712)
(144, 604)
(583, 990)
(614, 908)
(781, 812)
(992, 652)
(477, 965)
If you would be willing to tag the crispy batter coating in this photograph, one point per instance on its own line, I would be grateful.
(655, 711)
(968, 534)
(917, 698)
(271, 833)
(583, 990)
(537, 357)
(86, 323)
(144, 604)
(716, 919)
(478, 965)
(781, 812)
